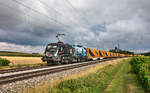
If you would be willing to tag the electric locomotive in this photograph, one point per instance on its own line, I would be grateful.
(60, 53)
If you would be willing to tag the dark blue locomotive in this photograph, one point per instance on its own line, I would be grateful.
(60, 53)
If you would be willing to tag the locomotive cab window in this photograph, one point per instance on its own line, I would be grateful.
(51, 49)
(61, 51)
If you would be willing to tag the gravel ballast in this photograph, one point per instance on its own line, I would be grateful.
(19, 86)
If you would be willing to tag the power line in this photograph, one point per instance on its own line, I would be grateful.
(40, 13)
(83, 14)
(25, 14)
(54, 10)
(71, 5)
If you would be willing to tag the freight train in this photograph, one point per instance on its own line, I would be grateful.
(60, 53)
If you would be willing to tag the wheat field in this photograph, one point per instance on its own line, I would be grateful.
(23, 60)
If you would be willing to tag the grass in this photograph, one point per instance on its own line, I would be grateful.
(91, 84)
(124, 81)
(132, 84)
(117, 83)
(93, 80)
(18, 54)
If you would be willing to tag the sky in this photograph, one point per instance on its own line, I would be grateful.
(29, 25)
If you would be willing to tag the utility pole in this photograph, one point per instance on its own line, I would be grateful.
(118, 46)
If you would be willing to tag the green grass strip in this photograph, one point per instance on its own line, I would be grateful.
(125, 81)
(93, 83)
(117, 84)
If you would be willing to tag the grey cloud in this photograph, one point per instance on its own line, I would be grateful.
(94, 23)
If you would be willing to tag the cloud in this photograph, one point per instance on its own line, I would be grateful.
(20, 48)
(94, 23)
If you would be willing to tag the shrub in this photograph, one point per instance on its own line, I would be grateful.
(141, 66)
(4, 62)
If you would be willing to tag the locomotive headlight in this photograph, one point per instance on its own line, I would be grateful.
(47, 53)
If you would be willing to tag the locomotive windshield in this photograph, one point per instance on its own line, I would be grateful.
(51, 50)
(55, 49)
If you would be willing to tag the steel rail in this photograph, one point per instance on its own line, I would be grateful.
(12, 77)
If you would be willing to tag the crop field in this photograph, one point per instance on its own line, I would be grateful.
(112, 78)
(141, 66)
(19, 54)
(18, 58)
(23, 60)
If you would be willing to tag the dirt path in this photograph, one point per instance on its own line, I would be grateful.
(117, 82)
(132, 84)
(124, 81)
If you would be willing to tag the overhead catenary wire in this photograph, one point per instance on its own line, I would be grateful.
(50, 18)
(82, 14)
(57, 11)
(77, 12)
(27, 15)
(24, 13)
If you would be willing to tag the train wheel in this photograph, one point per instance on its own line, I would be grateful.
(79, 60)
(49, 63)
(66, 61)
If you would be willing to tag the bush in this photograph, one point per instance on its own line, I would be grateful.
(141, 66)
(4, 62)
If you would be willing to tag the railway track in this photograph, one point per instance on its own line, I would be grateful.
(21, 69)
(22, 75)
